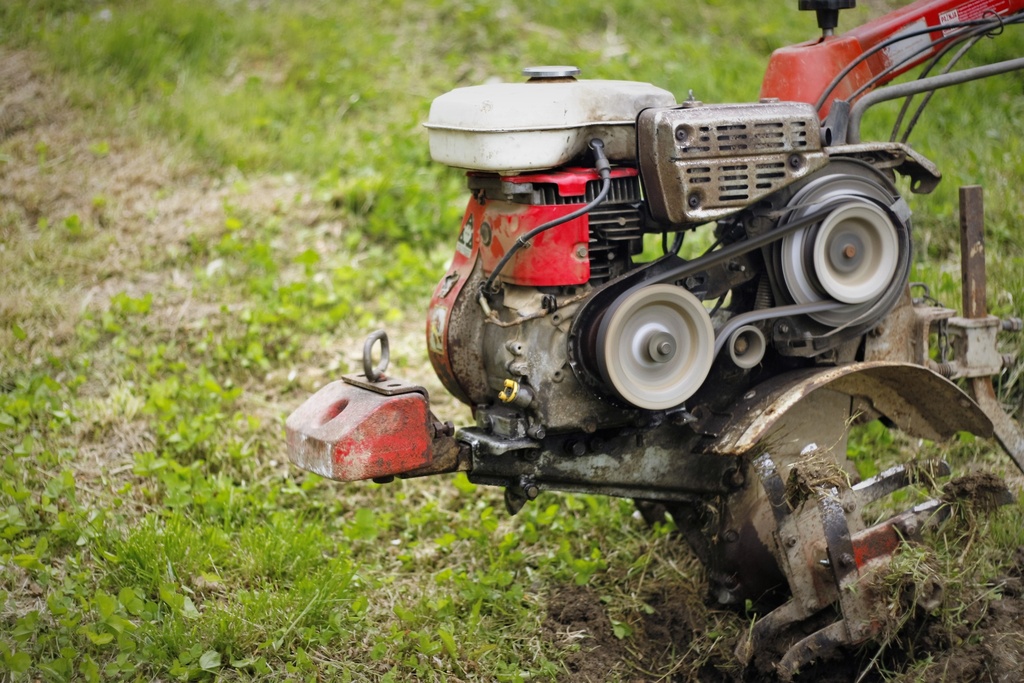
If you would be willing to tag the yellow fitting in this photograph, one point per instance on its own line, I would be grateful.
(509, 393)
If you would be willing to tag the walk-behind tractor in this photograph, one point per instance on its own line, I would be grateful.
(720, 388)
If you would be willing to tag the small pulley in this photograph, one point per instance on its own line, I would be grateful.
(655, 346)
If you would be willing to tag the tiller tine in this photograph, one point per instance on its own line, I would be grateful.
(826, 562)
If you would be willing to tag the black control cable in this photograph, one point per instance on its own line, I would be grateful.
(604, 170)
(954, 37)
(978, 34)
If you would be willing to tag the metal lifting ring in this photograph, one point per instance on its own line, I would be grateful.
(372, 372)
(655, 346)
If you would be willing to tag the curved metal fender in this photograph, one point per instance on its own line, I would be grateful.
(917, 400)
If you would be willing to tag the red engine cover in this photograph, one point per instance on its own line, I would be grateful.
(557, 257)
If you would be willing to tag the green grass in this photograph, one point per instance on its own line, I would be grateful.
(203, 210)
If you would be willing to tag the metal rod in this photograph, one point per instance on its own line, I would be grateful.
(972, 251)
(895, 92)
(972, 274)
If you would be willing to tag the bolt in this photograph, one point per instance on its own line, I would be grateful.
(581, 251)
(734, 477)
(531, 491)
(693, 201)
(536, 432)
(849, 507)
(849, 251)
(795, 161)
(731, 536)
(681, 135)
(783, 328)
(441, 429)
(790, 541)
(576, 448)
(846, 560)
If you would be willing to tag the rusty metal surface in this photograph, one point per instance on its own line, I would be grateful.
(828, 560)
(632, 463)
(820, 644)
(972, 251)
(1007, 431)
(919, 401)
(973, 279)
(975, 347)
(923, 173)
(766, 629)
(701, 162)
(386, 386)
(348, 433)
(904, 335)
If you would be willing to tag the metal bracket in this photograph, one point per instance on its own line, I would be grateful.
(389, 386)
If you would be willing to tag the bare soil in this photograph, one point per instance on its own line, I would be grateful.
(671, 642)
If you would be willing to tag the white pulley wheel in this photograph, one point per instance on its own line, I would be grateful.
(855, 252)
(656, 346)
(857, 255)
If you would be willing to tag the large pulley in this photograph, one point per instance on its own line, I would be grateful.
(655, 346)
(859, 254)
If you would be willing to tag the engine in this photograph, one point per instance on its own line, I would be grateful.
(548, 322)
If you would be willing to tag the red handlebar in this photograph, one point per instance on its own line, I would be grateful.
(803, 73)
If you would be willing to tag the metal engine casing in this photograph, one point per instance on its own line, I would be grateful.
(474, 355)
(701, 162)
(731, 157)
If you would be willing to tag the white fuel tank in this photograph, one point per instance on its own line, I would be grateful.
(541, 124)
